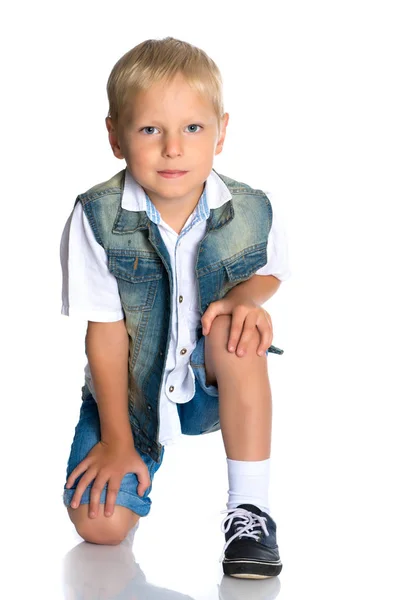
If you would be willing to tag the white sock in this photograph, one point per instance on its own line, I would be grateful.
(248, 483)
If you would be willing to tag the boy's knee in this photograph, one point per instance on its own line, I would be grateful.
(109, 531)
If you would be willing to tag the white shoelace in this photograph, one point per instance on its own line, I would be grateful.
(250, 521)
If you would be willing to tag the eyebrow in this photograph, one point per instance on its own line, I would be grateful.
(191, 119)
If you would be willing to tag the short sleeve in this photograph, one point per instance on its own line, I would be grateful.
(278, 259)
(89, 289)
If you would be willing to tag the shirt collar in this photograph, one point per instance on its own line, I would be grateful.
(134, 198)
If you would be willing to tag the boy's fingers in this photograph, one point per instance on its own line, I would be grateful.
(142, 487)
(265, 343)
(207, 327)
(79, 469)
(95, 494)
(71, 479)
(81, 487)
(247, 334)
(235, 334)
(144, 480)
(112, 493)
(251, 329)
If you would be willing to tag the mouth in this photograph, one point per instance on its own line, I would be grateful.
(171, 173)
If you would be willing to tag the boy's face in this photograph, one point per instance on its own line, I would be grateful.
(169, 127)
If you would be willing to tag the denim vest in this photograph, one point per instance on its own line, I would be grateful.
(234, 247)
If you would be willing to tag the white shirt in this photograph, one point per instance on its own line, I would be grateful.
(90, 290)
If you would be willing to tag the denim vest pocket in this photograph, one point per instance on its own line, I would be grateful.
(137, 275)
(242, 267)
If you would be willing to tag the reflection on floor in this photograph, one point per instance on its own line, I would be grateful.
(94, 572)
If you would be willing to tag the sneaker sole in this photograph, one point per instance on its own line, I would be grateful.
(250, 569)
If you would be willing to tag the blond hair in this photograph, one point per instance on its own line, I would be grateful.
(160, 60)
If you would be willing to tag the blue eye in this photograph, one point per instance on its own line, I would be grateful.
(148, 128)
(155, 128)
(193, 125)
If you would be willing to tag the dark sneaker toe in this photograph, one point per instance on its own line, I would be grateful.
(242, 549)
(251, 567)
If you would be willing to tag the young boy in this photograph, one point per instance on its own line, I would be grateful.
(170, 263)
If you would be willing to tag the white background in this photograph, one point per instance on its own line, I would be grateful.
(312, 89)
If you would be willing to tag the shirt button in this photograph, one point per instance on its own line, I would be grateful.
(171, 388)
(183, 351)
(148, 449)
(180, 298)
(149, 407)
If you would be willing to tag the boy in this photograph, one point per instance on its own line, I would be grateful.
(168, 262)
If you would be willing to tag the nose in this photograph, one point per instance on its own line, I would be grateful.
(173, 146)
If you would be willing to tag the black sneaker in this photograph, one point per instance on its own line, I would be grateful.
(251, 551)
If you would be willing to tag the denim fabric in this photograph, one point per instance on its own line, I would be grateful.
(87, 435)
(234, 247)
(199, 416)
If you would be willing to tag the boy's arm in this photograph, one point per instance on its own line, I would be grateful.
(107, 349)
(259, 289)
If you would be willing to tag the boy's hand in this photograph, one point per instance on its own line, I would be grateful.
(246, 316)
(107, 463)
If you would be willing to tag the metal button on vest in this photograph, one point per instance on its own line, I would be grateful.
(183, 351)
(180, 298)
(171, 388)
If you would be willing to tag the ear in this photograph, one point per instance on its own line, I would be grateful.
(113, 138)
(224, 123)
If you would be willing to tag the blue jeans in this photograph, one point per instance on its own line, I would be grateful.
(199, 416)
(87, 435)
